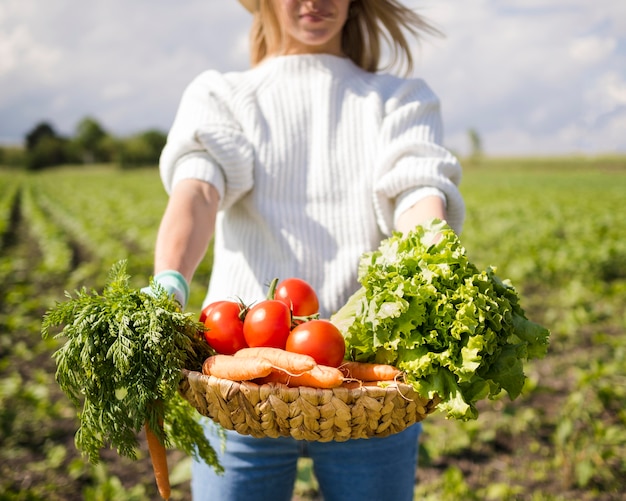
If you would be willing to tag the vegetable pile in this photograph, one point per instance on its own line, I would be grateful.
(455, 331)
(287, 319)
(282, 340)
(121, 362)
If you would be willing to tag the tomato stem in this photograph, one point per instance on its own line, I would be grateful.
(300, 319)
(271, 291)
(243, 309)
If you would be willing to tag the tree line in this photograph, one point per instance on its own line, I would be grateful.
(44, 147)
(92, 144)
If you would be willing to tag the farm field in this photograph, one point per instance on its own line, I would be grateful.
(554, 227)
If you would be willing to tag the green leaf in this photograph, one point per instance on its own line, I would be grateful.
(456, 331)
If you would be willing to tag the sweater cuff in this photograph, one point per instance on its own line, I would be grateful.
(202, 167)
(409, 198)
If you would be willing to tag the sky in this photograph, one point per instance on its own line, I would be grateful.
(531, 77)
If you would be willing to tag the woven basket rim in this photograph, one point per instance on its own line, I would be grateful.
(388, 386)
(314, 414)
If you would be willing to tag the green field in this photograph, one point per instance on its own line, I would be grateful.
(555, 227)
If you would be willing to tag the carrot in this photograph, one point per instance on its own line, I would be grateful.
(159, 462)
(276, 376)
(369, 372)
(293, 363)
(352, 384)
(236, 369)
(320, 376)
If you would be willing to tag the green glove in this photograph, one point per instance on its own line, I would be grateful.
(174, 283)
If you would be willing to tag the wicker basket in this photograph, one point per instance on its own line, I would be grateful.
(273, 410)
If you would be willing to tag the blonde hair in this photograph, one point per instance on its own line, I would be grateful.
(371, 25)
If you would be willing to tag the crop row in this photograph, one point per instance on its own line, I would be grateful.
(55, 249)
(82, 227)
(8, 194)
(83, 221)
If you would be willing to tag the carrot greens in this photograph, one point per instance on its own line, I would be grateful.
(121, 366)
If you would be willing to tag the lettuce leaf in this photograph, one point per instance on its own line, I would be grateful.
(456, 331)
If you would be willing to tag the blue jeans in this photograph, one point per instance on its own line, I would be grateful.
(264, 469)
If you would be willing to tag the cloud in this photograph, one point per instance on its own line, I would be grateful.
(18, 48)
(518, 71)
(592, 49)
(531, 76)
(124, 62)
(608, 93)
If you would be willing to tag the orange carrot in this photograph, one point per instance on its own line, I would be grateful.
(352, 384)
(369, 371)
(276, 376)
(159, 462)
(293, 363)
(320, 376)
(236, 369)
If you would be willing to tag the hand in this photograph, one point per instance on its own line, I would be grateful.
(174, 283)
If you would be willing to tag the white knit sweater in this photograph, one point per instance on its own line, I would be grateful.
(314, 159)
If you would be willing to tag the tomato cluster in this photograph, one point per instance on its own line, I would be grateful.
(288, 319)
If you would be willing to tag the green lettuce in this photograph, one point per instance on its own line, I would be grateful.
(456, 331)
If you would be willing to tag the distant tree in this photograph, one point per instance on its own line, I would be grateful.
(156, 139)
(143, 149)
(44, 147)
(48, 151)
(109, 147)
(40, 131)
(476, 146)
(89, 140)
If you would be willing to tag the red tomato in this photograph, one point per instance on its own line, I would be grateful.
(224, 327)
(205, 311)
(320, 339)
(267, 323)
(298, 295)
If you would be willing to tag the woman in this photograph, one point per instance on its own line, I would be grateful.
(295, 168)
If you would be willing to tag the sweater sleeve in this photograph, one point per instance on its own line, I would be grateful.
(412, 157)
(205, 142)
